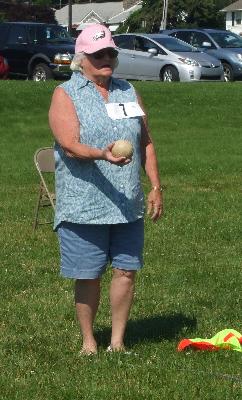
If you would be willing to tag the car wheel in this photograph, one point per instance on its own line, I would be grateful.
(41, 72)
(170, 74)
(228, 72)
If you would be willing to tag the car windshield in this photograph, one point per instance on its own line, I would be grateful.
(174, 44)
(54, 34)
(227, 39)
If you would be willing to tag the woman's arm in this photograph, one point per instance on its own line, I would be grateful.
(150, 165)
(65, 127)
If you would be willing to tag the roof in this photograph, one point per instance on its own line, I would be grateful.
(121, 17)
(102, 11)
(236, 6)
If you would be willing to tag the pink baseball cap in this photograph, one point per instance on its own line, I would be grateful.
(93, 38)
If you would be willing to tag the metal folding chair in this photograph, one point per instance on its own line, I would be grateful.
(45, 164)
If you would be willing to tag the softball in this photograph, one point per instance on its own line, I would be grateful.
(122, 148)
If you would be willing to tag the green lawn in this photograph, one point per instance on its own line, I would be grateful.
(191, 283)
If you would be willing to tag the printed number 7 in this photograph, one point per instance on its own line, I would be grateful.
(122, 105)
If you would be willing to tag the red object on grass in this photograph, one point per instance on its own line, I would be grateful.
(4, 68)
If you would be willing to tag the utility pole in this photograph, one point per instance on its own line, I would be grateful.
(70, 16)
(164, 15)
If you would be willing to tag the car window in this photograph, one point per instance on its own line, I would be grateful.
(174, 44)
(143, 44)
(227, 39)
(55, 33)
(17, 34)
(124, 41)
(3, 32)
(198, 38)
(32, 33)
(183, 35)
(48, 34)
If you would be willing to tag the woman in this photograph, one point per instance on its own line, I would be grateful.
(99, 205)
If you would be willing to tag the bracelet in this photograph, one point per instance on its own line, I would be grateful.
(157, 188)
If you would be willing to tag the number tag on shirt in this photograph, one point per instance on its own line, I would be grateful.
(124, 110)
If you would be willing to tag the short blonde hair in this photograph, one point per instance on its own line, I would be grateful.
(76, 62)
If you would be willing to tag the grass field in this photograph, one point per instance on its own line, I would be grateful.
(191, 283)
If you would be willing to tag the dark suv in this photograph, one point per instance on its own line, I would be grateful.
(36, 51)
(222, 44)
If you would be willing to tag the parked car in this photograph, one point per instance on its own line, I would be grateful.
(226, 46)
(161, 57)
(36, 51)
(4, 68)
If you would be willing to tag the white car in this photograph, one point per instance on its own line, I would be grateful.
(162, 57)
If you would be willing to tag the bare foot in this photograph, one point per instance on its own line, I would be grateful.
(87, 352)
(116, 348)
(89, 349)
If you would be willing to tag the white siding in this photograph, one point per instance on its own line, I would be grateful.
(234, 21)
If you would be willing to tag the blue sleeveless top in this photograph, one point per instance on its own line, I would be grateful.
(96, 191)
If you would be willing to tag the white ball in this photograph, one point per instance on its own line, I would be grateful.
(122, 148)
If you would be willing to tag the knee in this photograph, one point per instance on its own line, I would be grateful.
(124, 274)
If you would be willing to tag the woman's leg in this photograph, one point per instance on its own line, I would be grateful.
(121, 298)
(87, 295)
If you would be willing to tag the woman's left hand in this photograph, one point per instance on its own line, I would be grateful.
(155, 205)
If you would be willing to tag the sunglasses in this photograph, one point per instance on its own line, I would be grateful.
(111, 53)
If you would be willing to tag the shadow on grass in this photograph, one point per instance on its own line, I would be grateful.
(152, 329)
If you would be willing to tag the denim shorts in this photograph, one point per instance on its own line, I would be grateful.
(87, 249)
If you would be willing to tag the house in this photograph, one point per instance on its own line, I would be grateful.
(109, 13)
(120, 18)
(234, 17)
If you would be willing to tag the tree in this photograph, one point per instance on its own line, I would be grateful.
(25, 12)
(203, 14)
(181, 13)
(147, 19)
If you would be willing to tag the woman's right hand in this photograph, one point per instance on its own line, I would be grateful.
(107, 155)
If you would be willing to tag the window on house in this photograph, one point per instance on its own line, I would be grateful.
(238, 17)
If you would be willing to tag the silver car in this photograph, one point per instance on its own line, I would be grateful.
(224, 45)
(162, 57)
